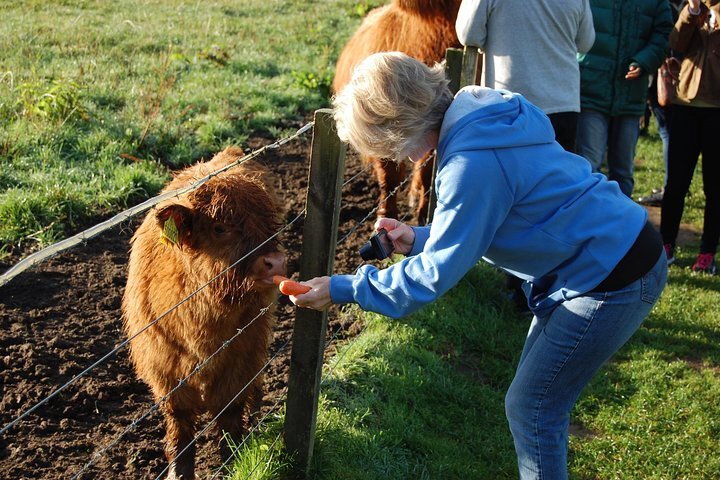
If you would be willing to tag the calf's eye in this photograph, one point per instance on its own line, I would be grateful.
(219, 229)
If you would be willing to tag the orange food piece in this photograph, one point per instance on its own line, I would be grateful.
(289, 287)
(278, 279)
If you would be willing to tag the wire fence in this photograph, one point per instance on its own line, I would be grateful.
(59, 247)
(53, 250)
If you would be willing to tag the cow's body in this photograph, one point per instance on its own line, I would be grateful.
(217, 224)
(423, 29)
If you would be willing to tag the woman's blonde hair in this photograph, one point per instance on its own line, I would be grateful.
(391, 102)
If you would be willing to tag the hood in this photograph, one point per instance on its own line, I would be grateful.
(482, 118)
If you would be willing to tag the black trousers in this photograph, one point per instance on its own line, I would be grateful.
(565, 126)
(693, 131)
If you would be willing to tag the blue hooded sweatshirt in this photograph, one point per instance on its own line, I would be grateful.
(509, 194)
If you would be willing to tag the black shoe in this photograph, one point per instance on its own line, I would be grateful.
(653, 200)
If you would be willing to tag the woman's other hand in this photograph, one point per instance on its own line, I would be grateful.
(400, 234)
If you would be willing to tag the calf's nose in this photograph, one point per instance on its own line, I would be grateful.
(275, 263)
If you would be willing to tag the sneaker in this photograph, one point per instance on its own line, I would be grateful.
(705, 263)
(652, 200)
(669, 253)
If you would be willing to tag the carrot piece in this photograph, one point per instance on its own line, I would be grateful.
(278, 279)
(289, 287)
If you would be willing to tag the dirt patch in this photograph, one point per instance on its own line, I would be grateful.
(687, 235)
(63, 316)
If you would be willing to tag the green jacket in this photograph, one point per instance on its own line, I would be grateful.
(626, 32)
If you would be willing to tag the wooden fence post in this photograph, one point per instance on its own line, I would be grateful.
(327, 167)
(471, 60)
(453, 70)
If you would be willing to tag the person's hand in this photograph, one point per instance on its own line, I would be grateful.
(316, 299)
(633, 72)
(401, 235)
(694, 5)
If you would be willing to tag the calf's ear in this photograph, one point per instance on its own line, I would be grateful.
(175, 222)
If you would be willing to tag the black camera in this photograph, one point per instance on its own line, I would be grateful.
(378, 247)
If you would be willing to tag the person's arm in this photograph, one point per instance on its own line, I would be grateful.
(691, 17)
(649, 58)
(463, 227)
(585, 37)
(471, 23)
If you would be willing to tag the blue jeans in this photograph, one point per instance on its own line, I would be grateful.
(598, 133)
(562, 352)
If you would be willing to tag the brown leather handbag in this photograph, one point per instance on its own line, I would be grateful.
(667, 81)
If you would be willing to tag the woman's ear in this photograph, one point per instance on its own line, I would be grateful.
(175, 222)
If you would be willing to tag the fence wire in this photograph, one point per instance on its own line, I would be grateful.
(56, 248)
(128, 340)
(98, 455)
(214, 419)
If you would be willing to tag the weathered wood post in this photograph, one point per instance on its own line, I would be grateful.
(327, 167)
(471, 60)
(454, 64)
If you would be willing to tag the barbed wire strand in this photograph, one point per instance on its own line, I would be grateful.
(340, 329)
(128, 340)
(210, 423)
(372, 212)
(99, 454)
(361, 172)
(56, 248)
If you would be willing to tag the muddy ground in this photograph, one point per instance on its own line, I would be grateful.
(61, 317)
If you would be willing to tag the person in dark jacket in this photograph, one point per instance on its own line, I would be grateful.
(631, 37)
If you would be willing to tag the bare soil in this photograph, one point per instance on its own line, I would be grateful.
(61, 317)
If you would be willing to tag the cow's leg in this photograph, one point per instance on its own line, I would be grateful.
(389, 175)
(422, 180)
(179, 433)
(231, 426)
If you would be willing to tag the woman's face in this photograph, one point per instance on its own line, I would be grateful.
(426, 144)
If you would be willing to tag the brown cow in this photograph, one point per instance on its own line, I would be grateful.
(423, 29)
(204, 232)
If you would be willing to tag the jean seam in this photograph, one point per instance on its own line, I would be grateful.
(552, 380)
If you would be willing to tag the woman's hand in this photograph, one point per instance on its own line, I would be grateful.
(401, 235)
(694, 5)
(316, 299)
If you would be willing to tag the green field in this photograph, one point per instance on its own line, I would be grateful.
(99, 100)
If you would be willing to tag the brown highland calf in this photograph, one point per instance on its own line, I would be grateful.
(423, 29)
(203, 232)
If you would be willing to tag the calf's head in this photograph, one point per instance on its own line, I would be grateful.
(228, 222)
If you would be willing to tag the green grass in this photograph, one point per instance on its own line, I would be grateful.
(422, 398)
(98, 100)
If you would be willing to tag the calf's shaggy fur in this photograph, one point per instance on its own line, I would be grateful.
(217, 224)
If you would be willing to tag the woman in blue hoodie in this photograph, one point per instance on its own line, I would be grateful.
(510, 195)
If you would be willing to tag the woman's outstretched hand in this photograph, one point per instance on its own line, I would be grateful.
(318, 298)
